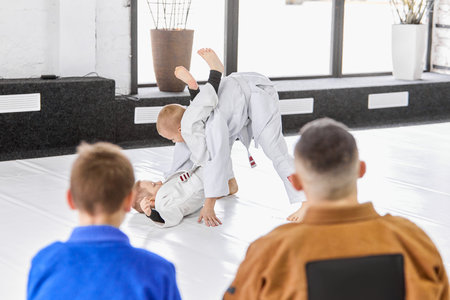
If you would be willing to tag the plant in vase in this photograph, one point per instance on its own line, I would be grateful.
(171, 41)
(409, 38)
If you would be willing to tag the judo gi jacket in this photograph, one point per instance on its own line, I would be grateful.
(179, 196)
(274, 267)
(98, 262)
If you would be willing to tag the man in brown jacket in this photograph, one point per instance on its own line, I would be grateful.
(333, 226)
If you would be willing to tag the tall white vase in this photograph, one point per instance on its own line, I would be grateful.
(408, 50)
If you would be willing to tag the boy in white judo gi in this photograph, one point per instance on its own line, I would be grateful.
(248, 109)
(167, 203)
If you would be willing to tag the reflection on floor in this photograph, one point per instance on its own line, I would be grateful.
(408, 175)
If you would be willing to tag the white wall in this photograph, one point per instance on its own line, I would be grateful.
(67, 38)
(77, 37)
(28, 38)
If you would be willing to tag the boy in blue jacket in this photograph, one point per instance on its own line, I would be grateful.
(97, 261)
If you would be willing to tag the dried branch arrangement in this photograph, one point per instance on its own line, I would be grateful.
(170, 14)
(412, 11)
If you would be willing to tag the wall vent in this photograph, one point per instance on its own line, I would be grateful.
(387, 100)
(297, 106)
(146, 115)
(20, 103)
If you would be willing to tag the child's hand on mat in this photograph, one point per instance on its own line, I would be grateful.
(208, 215)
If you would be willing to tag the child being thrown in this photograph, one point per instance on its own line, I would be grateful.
(245, 108)
(167, 203)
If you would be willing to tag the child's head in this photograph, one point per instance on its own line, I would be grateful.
(145, 190)
(168, 123)
(101, 180)
(327, 160)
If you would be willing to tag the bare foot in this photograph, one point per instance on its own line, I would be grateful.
(233, 186)
(298, 216)
(184, 75)
(211, 59)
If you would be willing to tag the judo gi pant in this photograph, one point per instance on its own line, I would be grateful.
(274, 146)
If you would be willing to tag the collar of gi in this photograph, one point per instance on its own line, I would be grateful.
(323, 214)
(98, 233)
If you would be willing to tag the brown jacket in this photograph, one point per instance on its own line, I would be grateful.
(274, 267)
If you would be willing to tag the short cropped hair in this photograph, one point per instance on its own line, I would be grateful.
(101, 178)
(170, 117)
(139, 194)
(329, 153)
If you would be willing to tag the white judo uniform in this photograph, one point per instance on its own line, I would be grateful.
(194, 121)
(194, 152)
(182, 191)
(247, 108)
(180, 195)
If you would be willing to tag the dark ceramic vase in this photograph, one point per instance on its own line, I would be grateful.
(171, 48)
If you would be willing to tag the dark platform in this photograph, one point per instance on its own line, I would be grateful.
(344, 99)
(72, 110)
(75, 109)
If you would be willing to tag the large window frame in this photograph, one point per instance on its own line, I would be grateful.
(231, 44)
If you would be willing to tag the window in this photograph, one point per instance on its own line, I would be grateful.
(206, 17)
(281, 40)
(367, 36)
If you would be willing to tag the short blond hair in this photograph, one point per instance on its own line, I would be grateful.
(139, 194)
(101, 178)
(169, 117)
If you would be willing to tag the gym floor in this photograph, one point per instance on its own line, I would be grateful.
(408, 175)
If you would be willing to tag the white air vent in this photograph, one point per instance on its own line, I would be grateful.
(386, 100)
(297, 106)
(146, 115)
(20, 103)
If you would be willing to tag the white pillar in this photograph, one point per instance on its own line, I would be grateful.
(440, 58)
(114, 42)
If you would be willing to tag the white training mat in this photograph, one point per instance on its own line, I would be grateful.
(408, 175)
